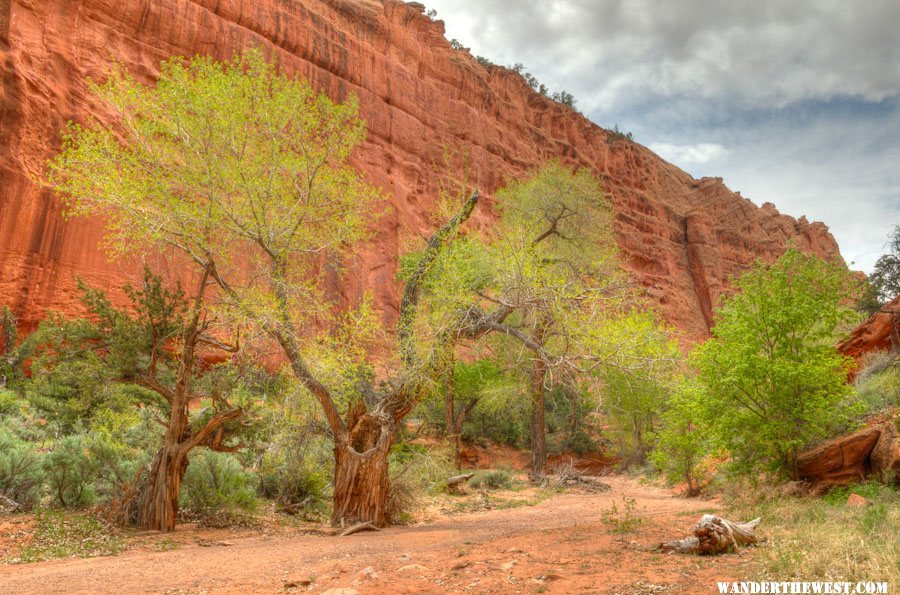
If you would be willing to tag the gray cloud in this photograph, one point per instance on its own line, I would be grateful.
(795, 103)
(767, 53)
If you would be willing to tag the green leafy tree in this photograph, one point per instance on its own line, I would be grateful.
(548, 280)
(772, 375)
(244, 171)
(632, 403)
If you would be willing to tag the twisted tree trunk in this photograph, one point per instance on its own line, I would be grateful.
(158, 504)
(361, 486)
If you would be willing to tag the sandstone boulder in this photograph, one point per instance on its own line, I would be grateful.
(885, 457)
(840, 461)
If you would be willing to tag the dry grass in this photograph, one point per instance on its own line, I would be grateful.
(821, 538)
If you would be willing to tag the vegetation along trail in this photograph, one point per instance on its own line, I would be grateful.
(569, 543)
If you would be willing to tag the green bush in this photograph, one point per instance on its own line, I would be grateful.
(878, 382)
(21, 476)
(682, 442)
(71, 469)
(10, 404)
(296, 472)
(496, 479)
(216, 483)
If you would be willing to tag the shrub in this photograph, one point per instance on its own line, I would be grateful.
(295, 471)
(71, 469)
(414, 472)
(615, 135)
(9, 403)
(216, 485)
(681, 442)
(21, 475)
(878, 382)
(496, 479)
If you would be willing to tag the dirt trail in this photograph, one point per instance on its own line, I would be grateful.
(559, 546)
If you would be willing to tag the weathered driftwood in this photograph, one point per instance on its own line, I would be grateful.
(565, 475)
(364, 526)
(714, 535)
(453, 483)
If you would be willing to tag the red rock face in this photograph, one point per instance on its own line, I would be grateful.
(681, 238)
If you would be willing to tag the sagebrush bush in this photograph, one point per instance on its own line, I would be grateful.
(71, 470)
(216, 484)
(495, 479)
(21, 474)
(296, 472)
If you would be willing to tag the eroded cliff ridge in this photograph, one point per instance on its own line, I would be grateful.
(681, 238)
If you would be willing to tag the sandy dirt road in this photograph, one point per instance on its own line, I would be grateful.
(562, 545)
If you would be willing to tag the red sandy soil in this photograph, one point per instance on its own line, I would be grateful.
(561, 545)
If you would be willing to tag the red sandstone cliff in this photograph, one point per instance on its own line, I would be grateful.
(682, 238)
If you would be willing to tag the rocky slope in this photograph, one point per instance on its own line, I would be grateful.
(682, 238)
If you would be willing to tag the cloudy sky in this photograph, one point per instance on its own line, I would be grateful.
(791, 102)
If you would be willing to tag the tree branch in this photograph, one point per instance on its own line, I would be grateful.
(411, 294)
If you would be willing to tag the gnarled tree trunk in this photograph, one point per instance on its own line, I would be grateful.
(158, 504)
(361, 485)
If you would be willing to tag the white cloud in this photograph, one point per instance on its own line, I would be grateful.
(689, 154)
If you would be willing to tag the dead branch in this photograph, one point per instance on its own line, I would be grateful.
(366, 526)
(565, 475)
(714, 535)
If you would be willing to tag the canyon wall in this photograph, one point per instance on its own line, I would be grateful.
(681, 238)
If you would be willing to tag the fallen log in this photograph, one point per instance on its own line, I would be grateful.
(714, 535)
(458, 479)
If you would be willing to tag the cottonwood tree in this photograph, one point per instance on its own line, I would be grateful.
(548, 280)
(244, 170)
(773, 380)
